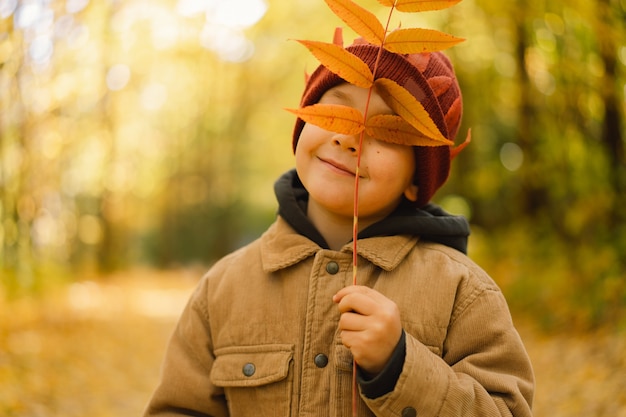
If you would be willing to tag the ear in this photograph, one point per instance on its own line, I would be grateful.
(411, 192)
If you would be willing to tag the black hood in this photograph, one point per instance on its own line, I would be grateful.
(430, 223)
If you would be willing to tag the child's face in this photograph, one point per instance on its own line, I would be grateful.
(326, 163)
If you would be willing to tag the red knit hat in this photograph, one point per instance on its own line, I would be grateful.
(431, 80)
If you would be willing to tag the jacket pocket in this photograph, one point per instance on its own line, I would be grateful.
(256, 379)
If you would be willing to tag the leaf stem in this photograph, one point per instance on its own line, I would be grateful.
(355, 222)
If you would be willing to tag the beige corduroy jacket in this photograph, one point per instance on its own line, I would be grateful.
(259, 335)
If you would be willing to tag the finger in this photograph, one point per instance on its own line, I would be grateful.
(351, 289)
(353, 322)
(349, 339)
(358, 303)
(360, 289)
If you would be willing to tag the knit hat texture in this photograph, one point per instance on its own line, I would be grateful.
(430, 78)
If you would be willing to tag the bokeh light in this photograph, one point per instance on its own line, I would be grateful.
(117, 77)
(511, 156)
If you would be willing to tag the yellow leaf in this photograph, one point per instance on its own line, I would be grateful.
(409, 108)
(413, 6)
(341, 62)
(394, 129)
(332, 117)
(417, 40)
(359, 19)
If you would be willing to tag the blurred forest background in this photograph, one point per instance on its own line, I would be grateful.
(145, 135)
(150, 133)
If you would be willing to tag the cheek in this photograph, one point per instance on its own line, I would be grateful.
(300, 159)
(303, 142)
(305, 150)
(310, 131)
(392, 163)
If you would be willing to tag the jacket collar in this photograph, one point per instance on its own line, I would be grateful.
(282, 247)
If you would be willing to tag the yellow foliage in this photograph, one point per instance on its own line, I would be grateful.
(408, 107)
(418, 40)
(332, 117)
(394, 129)
(361, 20)
(413, 6)
(341, 62)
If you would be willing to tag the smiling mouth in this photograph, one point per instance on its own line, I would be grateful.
(336, 166)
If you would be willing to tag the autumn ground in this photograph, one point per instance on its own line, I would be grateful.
(94, 349)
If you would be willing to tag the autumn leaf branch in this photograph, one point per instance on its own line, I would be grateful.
(411, 124)
(352, 69)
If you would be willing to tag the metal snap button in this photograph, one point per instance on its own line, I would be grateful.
(409, 412)
(249, 369)
(321, 360)
(332, 267)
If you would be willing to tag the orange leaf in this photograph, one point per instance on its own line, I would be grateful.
(332, 117)
(417, 40)
(338, 37)
(411, 110)
(359, 19)
(388, 3)
(457, 150)
(341, 62)
(412, 6)
(394, 129)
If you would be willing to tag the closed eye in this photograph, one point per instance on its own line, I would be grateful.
(336, 96)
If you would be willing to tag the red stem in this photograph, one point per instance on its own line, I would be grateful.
(355, 224)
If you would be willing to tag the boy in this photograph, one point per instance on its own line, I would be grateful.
(273, 328)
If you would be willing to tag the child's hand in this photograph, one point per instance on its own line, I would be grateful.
(370, 326)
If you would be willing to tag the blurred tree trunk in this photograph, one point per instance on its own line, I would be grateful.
(534, 195)
(609, 32)
(113, 246)
(18, 206)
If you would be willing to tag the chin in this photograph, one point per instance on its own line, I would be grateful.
(337, 206)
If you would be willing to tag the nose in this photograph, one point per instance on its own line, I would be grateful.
(346, 142)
